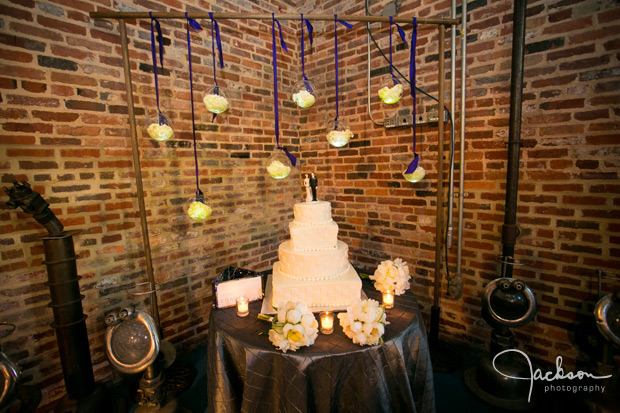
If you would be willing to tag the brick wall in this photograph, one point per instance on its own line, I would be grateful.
(568, 182)
(65, 130)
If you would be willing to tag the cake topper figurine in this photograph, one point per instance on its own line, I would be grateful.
(308, 190)
(314, 182)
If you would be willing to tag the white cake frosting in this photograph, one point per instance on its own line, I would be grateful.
(341, 291)
(311, 238)
(314, 265)
(311, 265)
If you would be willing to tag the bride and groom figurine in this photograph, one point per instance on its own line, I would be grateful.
(311, 183)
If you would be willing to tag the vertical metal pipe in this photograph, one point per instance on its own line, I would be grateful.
(510, 230)
(69, 319)
(450, 226)
(138, 172)
(435, 310)
(459, 246)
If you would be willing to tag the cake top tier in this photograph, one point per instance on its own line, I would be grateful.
(313, 213)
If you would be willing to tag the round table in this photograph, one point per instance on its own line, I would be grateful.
(247, 373)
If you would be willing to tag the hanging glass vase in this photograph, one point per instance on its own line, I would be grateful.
(278, 165)
(416, 176)
(391, 90)
(338, 133)
(198, 210)
(216, 100)
(304, 94)
(159, 127)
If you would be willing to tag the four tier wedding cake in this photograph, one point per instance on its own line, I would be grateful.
(314, 265)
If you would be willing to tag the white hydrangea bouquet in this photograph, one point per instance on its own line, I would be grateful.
(364, 322)
(293, 326)
(392, 276)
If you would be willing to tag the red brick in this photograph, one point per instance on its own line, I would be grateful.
(18, 14)
(80, 153)
(55, 116)
(22, 72)
(35, 31)
(16, 56)
(6, 83)
(62, 26)
(34, 87)
(32, 101)
(41, 153)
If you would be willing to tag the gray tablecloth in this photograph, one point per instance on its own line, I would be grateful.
(246, 373)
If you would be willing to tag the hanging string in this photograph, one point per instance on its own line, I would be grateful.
(195, 26)
(215, 37)
(416, 159)
(275, 84)
(161, 58)
(303, 70)
(401, 32)
(348, 26)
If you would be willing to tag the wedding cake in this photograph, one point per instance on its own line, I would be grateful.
(314, 265)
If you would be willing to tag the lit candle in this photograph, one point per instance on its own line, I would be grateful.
(388, 299)
(327, 322)
(243, 306)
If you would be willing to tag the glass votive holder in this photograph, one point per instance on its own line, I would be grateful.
(327, 322)
(388, 299)
(243, 306)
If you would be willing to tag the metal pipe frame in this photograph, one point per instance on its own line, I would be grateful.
(138, 172)
(435, 310)
(265, 16)
(510, 231)
(459, 247)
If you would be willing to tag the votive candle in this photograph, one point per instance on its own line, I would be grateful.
(327, 322)
(388, 299)
(243, 306)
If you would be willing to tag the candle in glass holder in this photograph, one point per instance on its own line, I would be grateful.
(243, 306)
(327, 322)
(388, 299)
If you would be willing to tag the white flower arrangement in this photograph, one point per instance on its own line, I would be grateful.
(293, 326)
(364, 322)
(339, 138)
(278, 170)
(304, 99)
(216, 103)
(159, 132)
(392, 276)
(391, 95)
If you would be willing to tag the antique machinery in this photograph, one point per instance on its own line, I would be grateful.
(83, 394)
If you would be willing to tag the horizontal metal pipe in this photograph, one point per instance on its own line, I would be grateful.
(249, 16)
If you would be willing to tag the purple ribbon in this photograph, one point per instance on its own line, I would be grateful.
(275, 84)
(162, 119)
(401, 32)
(303, 70)
(215, 37)
(348, 26)
(195, 26)
(416, 159)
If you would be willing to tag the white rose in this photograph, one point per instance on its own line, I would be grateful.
(308, 320)
(293, 316)
(356, 327)
(278, 340)
(360, 339)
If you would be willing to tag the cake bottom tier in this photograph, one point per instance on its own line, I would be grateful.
(341, 291)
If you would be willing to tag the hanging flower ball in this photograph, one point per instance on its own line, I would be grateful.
(415, 176)
(199, 211)
(159, 128)
(303, 94)
(278, 165)
(338, 134)
(216, 101)
(392, 90)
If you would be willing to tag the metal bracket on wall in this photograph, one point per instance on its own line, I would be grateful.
(428, 118)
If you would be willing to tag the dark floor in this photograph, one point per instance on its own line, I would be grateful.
(451, 393)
